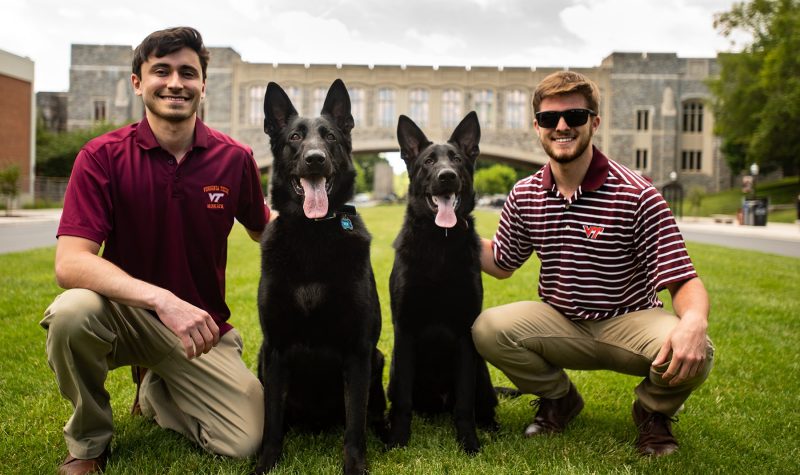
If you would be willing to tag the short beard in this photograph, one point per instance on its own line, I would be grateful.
(583, 144)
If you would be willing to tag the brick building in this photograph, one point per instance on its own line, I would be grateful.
(17, 119)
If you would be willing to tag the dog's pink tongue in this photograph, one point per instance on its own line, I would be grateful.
(315, 203)
(446, 214)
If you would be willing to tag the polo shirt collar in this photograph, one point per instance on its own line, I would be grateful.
(595, 176)
(147, 140)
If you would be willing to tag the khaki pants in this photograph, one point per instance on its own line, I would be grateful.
(214, 400)
(532, 344)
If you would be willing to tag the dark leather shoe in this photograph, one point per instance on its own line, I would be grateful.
(75, 466)
(137, 373)
(655, 432)
(553, 415)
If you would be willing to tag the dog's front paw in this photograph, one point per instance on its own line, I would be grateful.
(267, 461)
(470, 444)
(397, 438)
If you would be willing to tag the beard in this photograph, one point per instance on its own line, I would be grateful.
(566, 156)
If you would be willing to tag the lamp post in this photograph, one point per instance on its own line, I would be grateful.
(754, 173)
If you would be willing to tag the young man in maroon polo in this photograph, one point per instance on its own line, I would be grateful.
(160, 196)
(607, 243)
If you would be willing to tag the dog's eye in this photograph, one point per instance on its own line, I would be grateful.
(295, 136)
(456, 159)
(429, 161)
(330, 137)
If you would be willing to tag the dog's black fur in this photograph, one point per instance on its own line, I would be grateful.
(436, 291)
(317, 298)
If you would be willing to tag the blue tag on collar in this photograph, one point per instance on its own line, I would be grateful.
(347, 225)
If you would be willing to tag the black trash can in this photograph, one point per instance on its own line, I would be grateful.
(755, 211)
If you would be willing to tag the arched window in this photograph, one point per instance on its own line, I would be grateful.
(452, 103)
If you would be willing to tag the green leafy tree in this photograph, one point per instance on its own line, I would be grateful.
(495, 179)
(366, 162)
(757, 93)
(56, 152)
(9, 186)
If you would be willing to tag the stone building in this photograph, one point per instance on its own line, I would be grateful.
(17, 119)
(655, 108)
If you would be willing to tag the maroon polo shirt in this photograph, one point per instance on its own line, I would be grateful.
(160, 221)
(605, 251)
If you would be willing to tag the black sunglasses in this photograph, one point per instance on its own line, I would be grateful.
(573, 117)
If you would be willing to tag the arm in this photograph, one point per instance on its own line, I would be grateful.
(77, 265)
(687, 341)
(487, 261)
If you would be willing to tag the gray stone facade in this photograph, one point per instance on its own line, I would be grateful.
(644, 98)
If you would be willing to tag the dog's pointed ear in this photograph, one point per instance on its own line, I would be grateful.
(467, 136)
(411, 138)
(337, 106)
(278, 109)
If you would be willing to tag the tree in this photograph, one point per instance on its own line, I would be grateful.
(56, 152)
(366, 162)
(757, 94)
(497, 179)
(9, 186)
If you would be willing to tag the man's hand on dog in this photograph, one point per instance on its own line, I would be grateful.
(193, 326)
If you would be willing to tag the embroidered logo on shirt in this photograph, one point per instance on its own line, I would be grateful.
(592, 231)
(216, 196)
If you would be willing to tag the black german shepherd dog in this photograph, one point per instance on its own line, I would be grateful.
(436, 291)
(317, 299)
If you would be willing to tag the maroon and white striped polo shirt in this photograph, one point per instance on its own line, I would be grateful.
(604, 252)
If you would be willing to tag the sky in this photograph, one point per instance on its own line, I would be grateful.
(527, 33)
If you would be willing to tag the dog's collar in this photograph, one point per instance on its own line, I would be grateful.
(343, 213)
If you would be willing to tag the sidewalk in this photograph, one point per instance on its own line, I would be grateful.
(783, 231)
(30, 216)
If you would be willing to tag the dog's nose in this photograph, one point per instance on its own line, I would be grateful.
(314, 158)
(446, 176)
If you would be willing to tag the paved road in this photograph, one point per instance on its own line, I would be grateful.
(30, 235)
(775, 238)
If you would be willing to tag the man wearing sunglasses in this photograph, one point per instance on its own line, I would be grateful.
(607, 243)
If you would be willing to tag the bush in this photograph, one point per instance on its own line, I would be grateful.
(497, 179)
(9, 186)
(56, 152)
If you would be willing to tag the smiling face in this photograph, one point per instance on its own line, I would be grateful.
(171, 86)
(565, 144)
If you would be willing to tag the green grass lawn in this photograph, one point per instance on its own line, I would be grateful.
(743, 420)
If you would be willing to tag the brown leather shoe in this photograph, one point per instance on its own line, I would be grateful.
(137, 373)
(553, 415)
(75, 466)
(655, 432)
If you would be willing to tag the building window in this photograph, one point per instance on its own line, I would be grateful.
(100, 111)
(642, 120)
(691, 160)
(418, 106)
(318, 101)
(386, 116)
(296, 96)
(516, 104)
(358, 106)
(255, 105)
(692, 116)
(641, 159)
(483, 103)
(452, 102)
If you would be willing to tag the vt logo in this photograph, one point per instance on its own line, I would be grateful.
(216, 195)
(592, 231)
